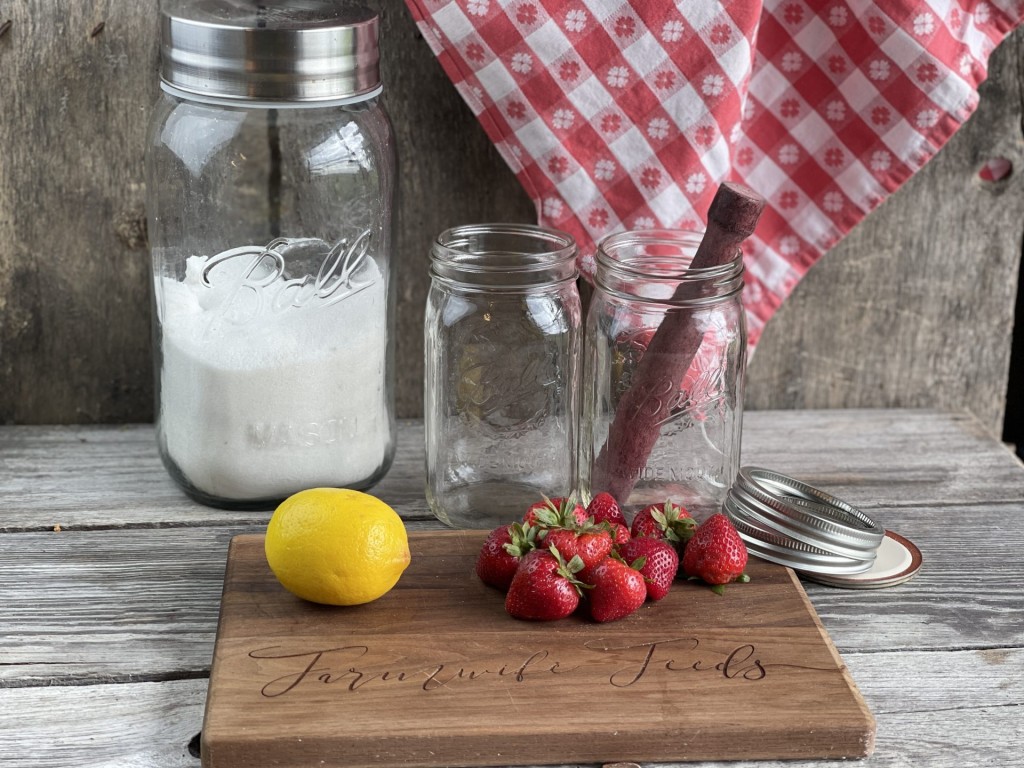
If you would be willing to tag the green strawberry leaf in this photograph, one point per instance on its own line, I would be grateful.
(718, 589)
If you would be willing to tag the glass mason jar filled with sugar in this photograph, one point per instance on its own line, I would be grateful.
(270, 186)
(663, 374)
(503, 343)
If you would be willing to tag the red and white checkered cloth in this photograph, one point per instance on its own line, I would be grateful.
(619, 114)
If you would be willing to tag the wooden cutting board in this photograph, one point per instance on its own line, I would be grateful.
(435, 673)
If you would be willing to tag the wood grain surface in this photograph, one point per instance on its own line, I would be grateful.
(435, 673)
(109, 624)
(915, 308)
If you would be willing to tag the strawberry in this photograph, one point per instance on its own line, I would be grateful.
(592, 543)
(502, 550)
(657, 562)
(619, 534)
(664, 521)
(618, 590)
(544, 588)
(559, 512)
(605, 509)
(716, 554)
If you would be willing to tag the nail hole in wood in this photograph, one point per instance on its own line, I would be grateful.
(194, 745)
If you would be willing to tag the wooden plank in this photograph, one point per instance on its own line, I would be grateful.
(86, 477)
(400, 681)
(137, 725)
(74, 299)
(943, 709)
(154, 593)
(75, 330)
(89, 477)
(966, 595)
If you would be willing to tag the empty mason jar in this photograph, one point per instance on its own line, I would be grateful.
(663, 374)
(502, 343)
(270, 186)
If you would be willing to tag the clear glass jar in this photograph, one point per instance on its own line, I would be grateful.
(663, 374)
(271, 179)
(502, 350)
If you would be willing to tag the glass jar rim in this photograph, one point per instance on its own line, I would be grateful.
(671, 265)
(458, 241)
(511, 257)
(655, 265)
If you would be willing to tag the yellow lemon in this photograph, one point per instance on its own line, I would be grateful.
(337, 547)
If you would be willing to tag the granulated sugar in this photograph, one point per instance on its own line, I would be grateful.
(260, 398)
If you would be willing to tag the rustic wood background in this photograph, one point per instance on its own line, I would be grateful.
(914, 308)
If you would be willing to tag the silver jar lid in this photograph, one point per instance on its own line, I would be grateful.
(786, 521)
(279, 52)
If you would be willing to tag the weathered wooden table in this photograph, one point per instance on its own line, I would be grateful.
(110, 582)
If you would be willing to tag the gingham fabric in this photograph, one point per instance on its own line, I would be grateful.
(627, 115)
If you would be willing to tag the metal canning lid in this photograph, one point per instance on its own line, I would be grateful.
(805, 505)
(284, 52)
(746, 519)
(789, 522)
(796, 554)
(898, 560)
(801, 519)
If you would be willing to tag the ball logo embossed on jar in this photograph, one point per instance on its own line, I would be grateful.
(704, 384)
(507, 387)
(252, 277)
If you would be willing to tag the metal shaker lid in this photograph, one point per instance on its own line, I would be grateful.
(270, 51)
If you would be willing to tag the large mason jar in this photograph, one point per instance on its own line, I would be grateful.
(503, 343)
(271, 178)
(663, 374)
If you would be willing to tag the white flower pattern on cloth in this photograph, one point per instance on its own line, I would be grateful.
(824, 108)
(618, 77)
(924, 24)
(658, 128)
(604, 170)
(713, 85)
(575, 21)
(879, 69)
(838, 16)
(522, 62)
(672, 31)
(835, 111)
(695, 183)
(563, 118)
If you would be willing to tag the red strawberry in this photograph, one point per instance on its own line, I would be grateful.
(502, 550)
(544, 587)
(656, 560)
(559, 512)
(605, 509)
(591, 543)
(664, 521)
(618, 590)
(716, 553)
(619, 533)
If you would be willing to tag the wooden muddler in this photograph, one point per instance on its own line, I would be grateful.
(646, 404)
